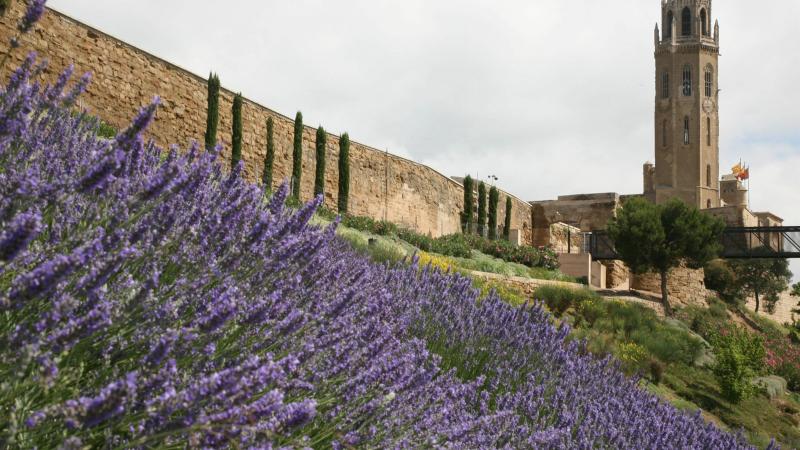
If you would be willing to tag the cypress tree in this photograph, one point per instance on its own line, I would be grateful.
(212, 118)
(236, 153)
(466, 220)
(507, 224)
(297, 155)
(319, 180)
(344, 173)
(482, 209)
(494, 198)
(269, 161)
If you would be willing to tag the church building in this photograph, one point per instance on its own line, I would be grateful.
(686, 138)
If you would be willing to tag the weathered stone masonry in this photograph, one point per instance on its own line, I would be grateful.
(382, 185)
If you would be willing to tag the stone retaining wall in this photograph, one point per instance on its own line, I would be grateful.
(382, 185)
(686, 286)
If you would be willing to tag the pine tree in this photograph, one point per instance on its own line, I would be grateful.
(269, 161)
(212, 119)
(236, 153)
(507, 224)
(482, 209)
(657, 238)
(344, 173)
(494, 198)
(469, 201)
(319, 179)
(297, 155)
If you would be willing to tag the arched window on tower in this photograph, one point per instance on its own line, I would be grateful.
(687, 80)
(709, 82)
(708, 204)
(686, 131)
(664, 134)
(708, 131)
(708, 176)
(668, 25)
(704, 22)
(665, 85)
(686, 22)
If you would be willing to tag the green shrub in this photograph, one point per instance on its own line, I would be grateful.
(656, 371)
(670, 345)
(106, 131)
(269, 161)
(719, 277)
(212, 118)
(467, 216)
(507, 293)
(344, 173)
(507, 223)
(525, 255)
(791, 373)
(482, 209)
(559, 299)
(236, 133)
(706, 321)
(319, 178)
(494, 198)
(297, 155)
(589, 311)
(740, 357)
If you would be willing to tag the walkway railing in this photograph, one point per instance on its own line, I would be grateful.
(737, 243)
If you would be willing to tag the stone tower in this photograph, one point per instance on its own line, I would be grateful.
(686, 106)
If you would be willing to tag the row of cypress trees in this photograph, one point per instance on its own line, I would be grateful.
(212, 123)
(485, 230)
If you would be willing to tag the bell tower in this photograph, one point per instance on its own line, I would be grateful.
(686, 106)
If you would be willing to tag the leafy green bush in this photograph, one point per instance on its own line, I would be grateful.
(668, 344)
(719, 277)
(236, 132)
(319, 174)
(706, 321)
(656, 371)
(559, 299)
(344, 173)
(740, 357)
(106, 131)
(528, 256)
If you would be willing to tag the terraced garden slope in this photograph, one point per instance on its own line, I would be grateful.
(149, 299)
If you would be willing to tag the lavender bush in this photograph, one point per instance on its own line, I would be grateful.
(148, 299)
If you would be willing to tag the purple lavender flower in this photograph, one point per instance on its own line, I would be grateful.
(32, 15)
(19, 233)
(172, 305)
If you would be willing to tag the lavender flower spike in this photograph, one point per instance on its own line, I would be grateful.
(22, 230)
(32, 15)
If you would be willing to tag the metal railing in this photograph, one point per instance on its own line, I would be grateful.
(737, 243)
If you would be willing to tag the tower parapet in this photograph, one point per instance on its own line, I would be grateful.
(687, 21)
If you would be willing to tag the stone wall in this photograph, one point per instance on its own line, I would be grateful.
(589, 212)
(686, 286)
(618, 276)
(783, 309)
(382, 185)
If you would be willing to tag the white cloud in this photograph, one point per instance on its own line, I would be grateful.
(552, 97)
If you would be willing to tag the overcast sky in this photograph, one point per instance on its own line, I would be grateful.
(552, 97)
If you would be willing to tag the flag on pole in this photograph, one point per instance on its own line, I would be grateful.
(745, 174)
(737, 169)
(741, 171)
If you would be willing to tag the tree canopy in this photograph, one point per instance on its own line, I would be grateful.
(765, 278)
(658, 238)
